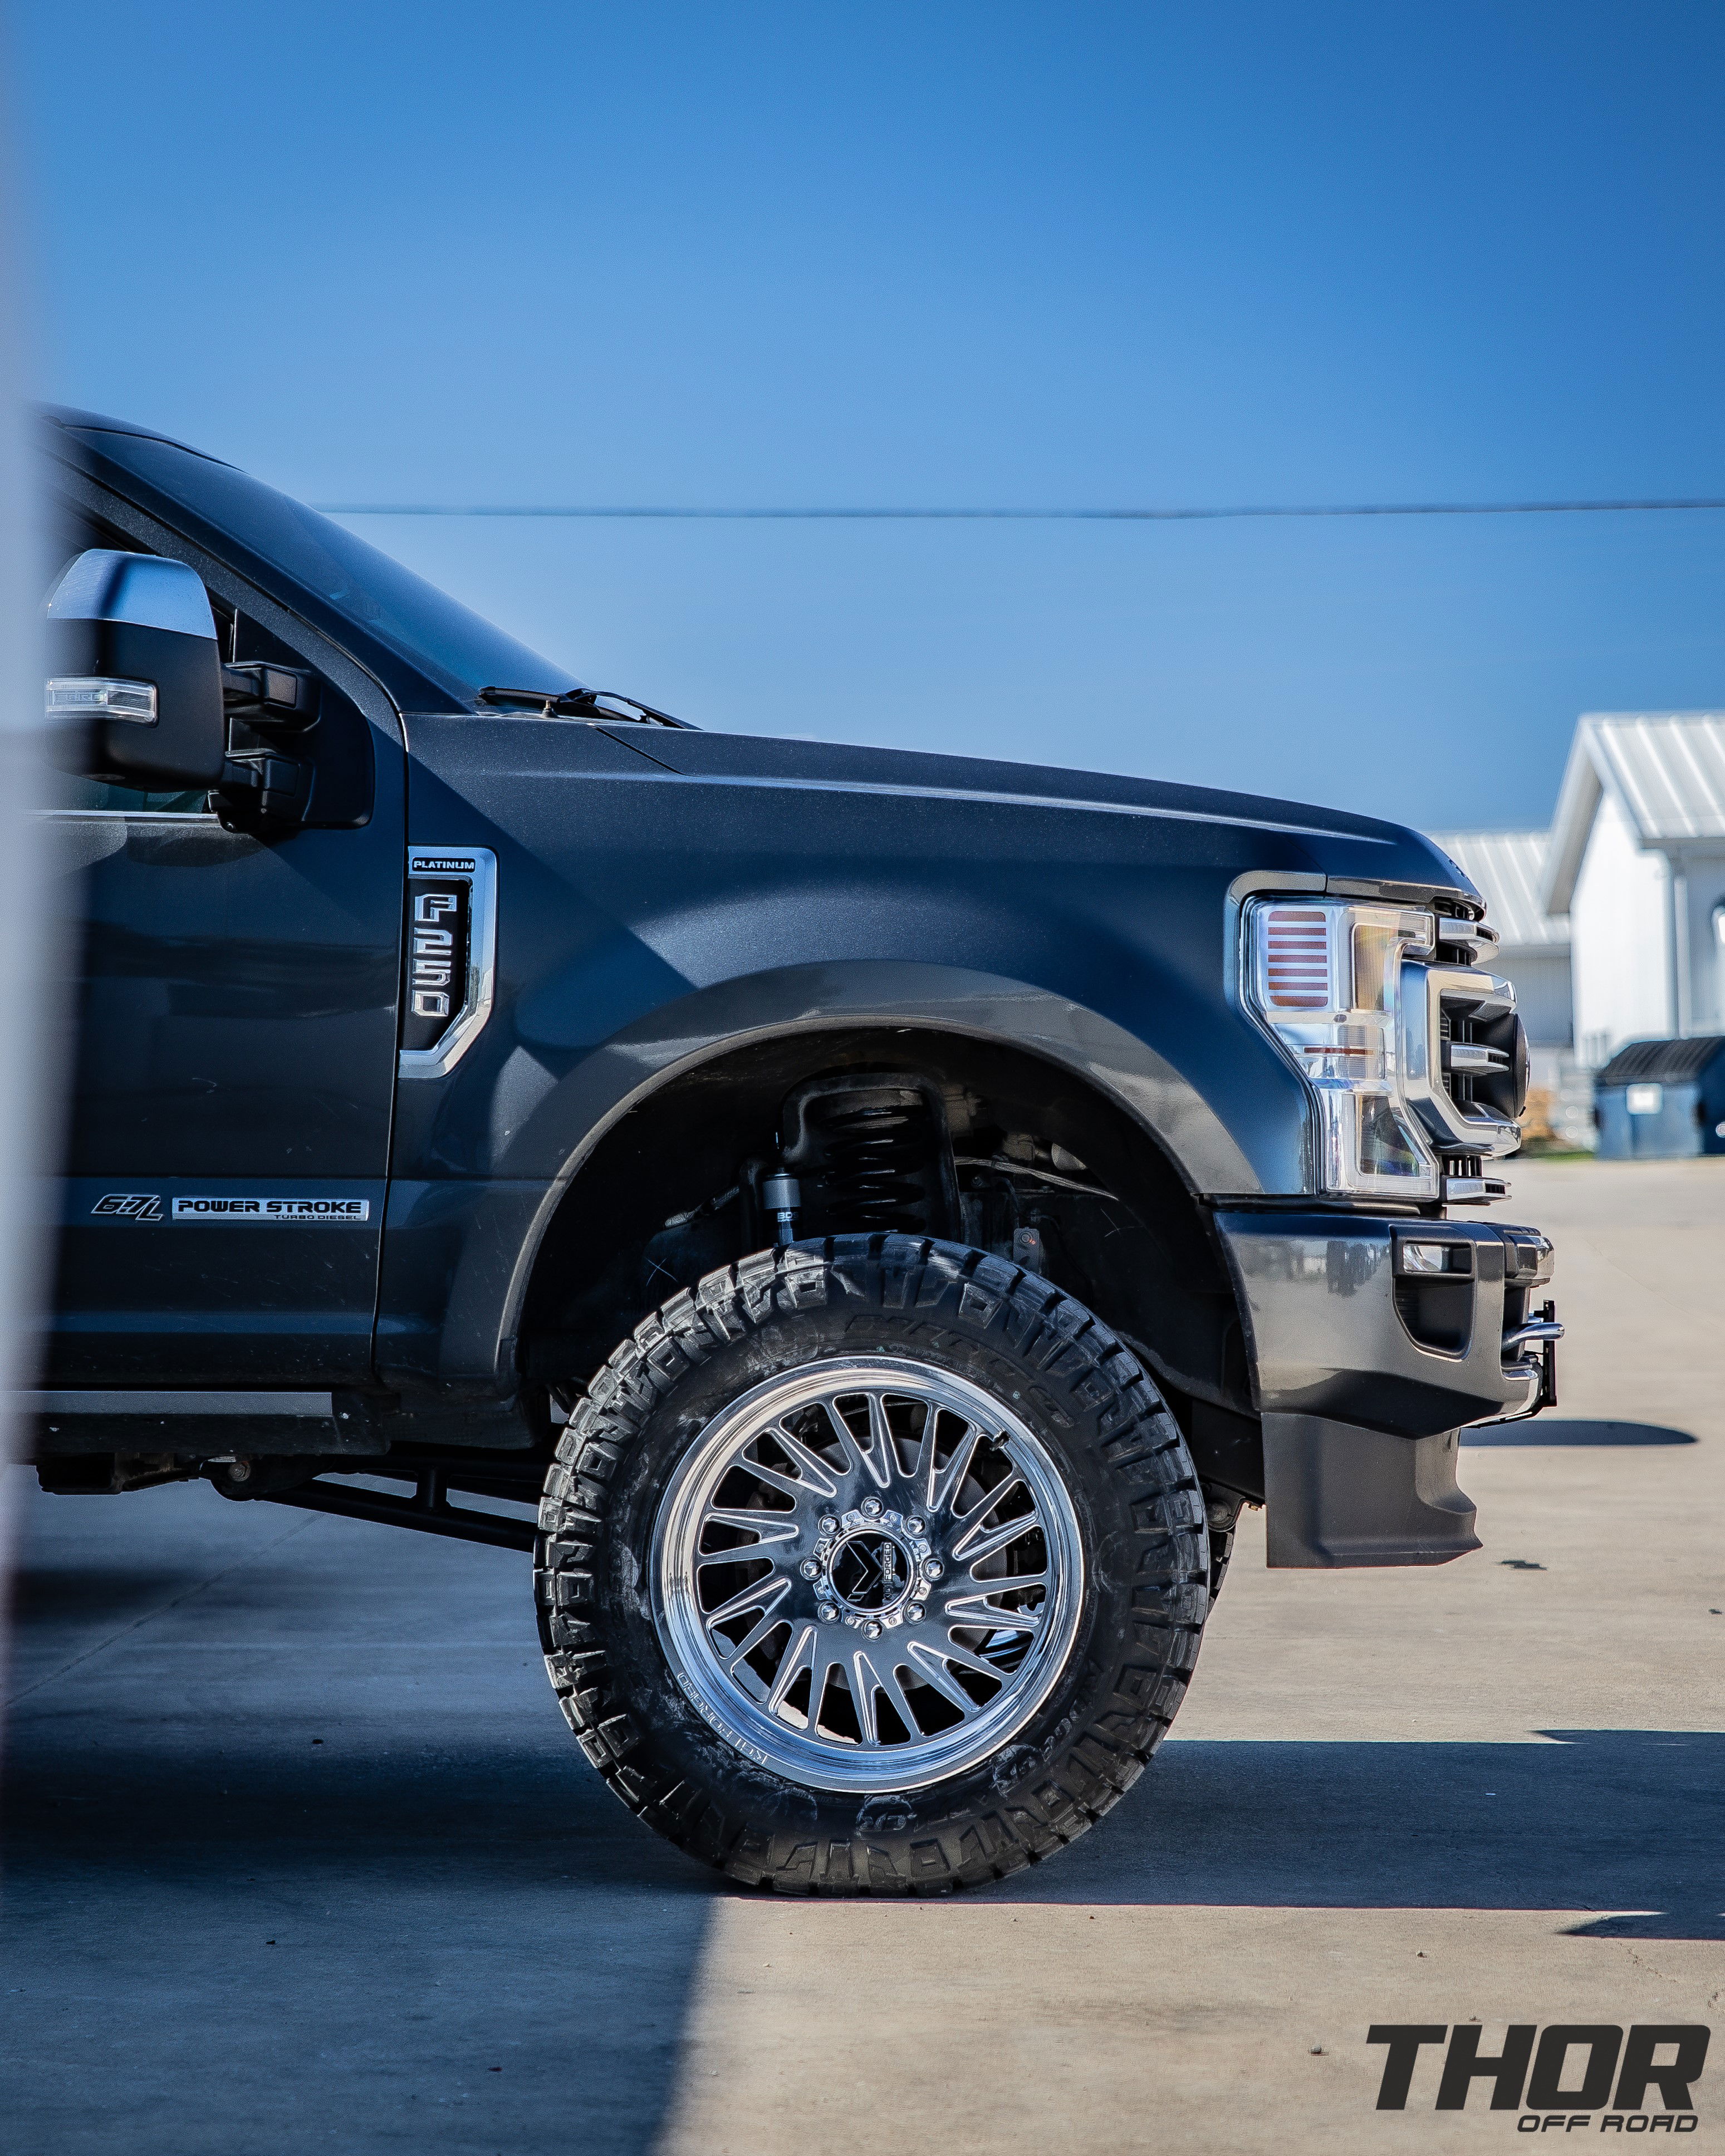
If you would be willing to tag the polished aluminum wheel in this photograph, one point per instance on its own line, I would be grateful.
(866, 1575)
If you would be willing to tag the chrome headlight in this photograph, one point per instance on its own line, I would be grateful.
(1324, 977)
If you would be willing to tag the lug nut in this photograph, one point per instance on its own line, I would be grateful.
(871, 1507)
(808, 1568)
(932, 1568)
(871, 1632)
(829, 1525)
(915, 1613)
(828, 1614)
(916, 1524)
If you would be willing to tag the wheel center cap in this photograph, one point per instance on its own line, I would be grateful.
(872, 1567)
(871, 1571)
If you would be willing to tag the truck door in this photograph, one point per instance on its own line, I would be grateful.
(231, 1078)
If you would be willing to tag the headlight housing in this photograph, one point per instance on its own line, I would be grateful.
(1324, 977)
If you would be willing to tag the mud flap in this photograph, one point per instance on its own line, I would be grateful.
(1337, 1495)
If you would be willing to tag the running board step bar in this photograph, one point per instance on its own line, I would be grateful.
(428, 1509)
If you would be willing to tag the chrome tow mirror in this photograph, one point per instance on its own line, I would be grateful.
(134, 691)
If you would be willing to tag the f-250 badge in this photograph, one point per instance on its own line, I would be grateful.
(439, 928)
(450, 952)
(127, 1205)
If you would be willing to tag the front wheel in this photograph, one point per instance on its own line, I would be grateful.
(876, 1565)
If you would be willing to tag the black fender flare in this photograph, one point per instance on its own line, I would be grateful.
(507, 1218)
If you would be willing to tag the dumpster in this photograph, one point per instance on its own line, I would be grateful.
(1662, 1100)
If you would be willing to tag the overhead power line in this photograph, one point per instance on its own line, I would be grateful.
(1026, 515)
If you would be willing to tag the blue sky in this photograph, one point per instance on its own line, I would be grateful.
(953, 255)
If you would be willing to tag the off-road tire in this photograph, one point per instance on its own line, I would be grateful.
(1091, 1404)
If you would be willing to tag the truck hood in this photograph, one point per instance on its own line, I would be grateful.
(1335, 842)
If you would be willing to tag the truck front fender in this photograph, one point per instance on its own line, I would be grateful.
(461, 1250)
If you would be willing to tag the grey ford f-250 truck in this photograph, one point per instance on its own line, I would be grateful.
(888, 1212)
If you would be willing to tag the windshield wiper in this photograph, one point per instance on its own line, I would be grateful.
(583, 704)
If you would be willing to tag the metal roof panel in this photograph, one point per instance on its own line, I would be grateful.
(1667, 768)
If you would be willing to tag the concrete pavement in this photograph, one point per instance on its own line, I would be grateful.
(299, 1853)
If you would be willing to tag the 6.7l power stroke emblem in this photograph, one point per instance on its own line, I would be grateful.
(274, 1212)
(138, 1205)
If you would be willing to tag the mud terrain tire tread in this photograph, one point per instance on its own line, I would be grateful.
(1081, 1751)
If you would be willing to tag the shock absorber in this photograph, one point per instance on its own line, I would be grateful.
(782, 1194)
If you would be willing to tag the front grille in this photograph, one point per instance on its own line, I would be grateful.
(1468, 1069)
(1457, 1031)
(1447, 1024)
(1453, 1027)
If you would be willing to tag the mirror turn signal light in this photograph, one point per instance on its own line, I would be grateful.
(100, 697)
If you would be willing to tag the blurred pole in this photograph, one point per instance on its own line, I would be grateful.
(27, 1145)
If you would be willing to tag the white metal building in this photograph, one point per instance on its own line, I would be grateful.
(1636, 860)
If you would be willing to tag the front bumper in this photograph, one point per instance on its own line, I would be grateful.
(1334, 1329)
(1362, 1371)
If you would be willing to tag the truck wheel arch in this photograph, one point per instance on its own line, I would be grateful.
(673, 1143)
(718, 1021)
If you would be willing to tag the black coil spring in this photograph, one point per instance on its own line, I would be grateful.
(875, 1155)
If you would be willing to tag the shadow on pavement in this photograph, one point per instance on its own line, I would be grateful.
(211, 1812)
(99, 1592)
(435, 1929)
(216, 1945)
(1543, 1430)
(1612, 1820)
